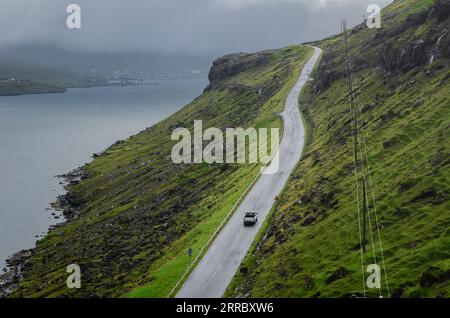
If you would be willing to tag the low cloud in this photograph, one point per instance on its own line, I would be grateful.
(194, 26)
(239, 4)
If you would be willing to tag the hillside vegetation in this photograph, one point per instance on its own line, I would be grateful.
(133, 214)
(311, 247)
(31, 79)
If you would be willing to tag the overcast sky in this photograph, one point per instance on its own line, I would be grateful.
(192, 26)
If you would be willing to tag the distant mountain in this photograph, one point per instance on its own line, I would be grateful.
(53, 57)
(18, 78)
(45, 68)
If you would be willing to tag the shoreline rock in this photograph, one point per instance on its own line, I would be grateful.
(16, 265)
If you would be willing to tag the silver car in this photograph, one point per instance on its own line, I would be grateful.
(250, 218)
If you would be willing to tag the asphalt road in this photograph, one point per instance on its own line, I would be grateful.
(216, 269)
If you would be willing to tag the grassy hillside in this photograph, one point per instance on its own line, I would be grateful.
(311, 246)
(135, 214)
(9, 89)
(35, 80)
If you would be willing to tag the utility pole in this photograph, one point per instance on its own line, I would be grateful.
(353, 105)
(351, 96)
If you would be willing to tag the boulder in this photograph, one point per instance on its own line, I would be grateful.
(441, 10)
(338, 274)
(7, 278)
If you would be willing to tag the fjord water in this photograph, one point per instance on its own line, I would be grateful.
(42, 136)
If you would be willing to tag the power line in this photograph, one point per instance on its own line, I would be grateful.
(360, 147)
(369, 173)
(355, 158)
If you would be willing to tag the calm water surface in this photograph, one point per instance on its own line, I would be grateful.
(42, 136)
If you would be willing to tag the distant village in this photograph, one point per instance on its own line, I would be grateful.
(125, 81)
(14, 80)
(107, 81)
(117, 77)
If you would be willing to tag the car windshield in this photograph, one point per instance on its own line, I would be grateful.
(250, 214)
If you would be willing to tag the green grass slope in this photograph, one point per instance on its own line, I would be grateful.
(311, 246)
(29, 87)
(135, 214)
(36, 80)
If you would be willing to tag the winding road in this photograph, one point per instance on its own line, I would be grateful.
(218, 266)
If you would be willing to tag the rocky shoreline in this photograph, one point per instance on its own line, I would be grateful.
(16, 265)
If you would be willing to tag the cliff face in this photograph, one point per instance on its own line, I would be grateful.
(416, 51)
(230, 65)
(395, 48)
(311, 247)
(134, 214)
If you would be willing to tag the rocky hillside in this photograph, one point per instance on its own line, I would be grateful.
(133, 214)
(311, 246)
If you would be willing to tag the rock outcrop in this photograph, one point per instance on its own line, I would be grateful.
(233, 64)
(405, 58)
(441, 10)
(402, 55)
(421, 51)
